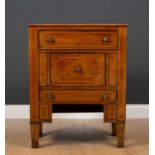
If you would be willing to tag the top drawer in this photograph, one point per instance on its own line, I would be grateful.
(78, 39)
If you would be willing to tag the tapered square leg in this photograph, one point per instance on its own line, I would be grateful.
(41, 129)
(35, 127)
(120, 134)
(114, 129)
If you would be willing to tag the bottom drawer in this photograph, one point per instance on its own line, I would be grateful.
(78, 96)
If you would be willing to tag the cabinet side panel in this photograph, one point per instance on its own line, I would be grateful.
(33, 73)
(122, 74)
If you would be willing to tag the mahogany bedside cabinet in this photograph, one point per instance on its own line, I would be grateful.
(77, 64)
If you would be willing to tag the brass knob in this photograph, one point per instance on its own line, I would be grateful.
(50, 40)
(104, 96)
(105, 39)
(50, 96)
(77, 69)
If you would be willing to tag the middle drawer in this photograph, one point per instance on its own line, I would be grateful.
(72, 69)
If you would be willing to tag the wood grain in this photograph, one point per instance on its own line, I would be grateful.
(74, 96)
(64, 70)
(33, 73)
(112, 66)
(43, 70)
(78, 39)
(122, 75)
(110, 112)
(45, 112)
(35, 129)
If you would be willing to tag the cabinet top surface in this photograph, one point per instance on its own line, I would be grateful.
(72, 25)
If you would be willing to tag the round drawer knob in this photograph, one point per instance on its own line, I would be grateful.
(104, 96)
(105, 39)
(50, 40)
(50, 96)
(77, 69)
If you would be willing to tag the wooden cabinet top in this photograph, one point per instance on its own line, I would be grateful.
(77, 25)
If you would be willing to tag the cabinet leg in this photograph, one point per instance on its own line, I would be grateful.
(120, 134)
(40, 129)
(114, 129)
(35, 135)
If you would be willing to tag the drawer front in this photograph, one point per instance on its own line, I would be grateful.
(78, 39)
(77, 69)
(77, 96)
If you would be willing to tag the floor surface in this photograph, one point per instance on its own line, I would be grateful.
(77, 137)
